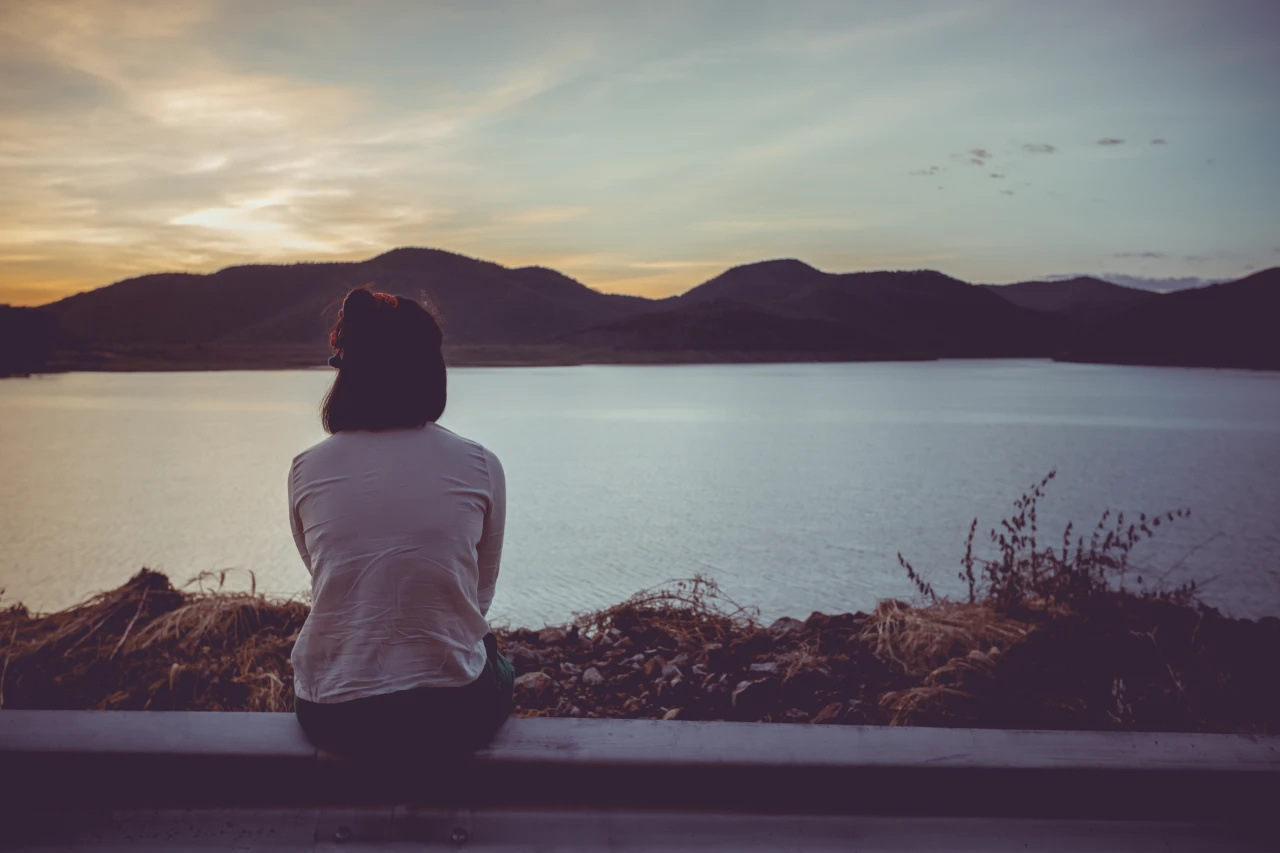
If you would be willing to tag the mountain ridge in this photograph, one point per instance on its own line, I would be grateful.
(780, 305)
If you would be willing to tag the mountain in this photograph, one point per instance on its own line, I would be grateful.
(724, 325)
(1081, 297)
(1222, 325)
(921, 311)
(280, 315)
(478, 302)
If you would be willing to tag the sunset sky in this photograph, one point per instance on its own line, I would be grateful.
(639, 147)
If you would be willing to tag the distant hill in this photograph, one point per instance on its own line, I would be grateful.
(280, 316)
(1223, 325)
(723, 325)
(1082, 297)
(479, 302)
(921, 311)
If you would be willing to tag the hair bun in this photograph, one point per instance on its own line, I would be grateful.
(359, 303)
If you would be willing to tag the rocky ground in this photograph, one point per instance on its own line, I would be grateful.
(684, 652)
(818, 670)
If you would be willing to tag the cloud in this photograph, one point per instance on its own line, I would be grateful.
(1038, 148)
(677, 265)
(1160, 285)
(543, 215)
(787, 223)
(1159, 142)
(979, 156)
(674, 68)
(1156, 284)
(1152, 255)
(1110, 140)
(932, 170)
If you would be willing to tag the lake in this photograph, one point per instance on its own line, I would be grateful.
(793, 486)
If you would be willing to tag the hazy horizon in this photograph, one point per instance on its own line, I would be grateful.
(640, 149)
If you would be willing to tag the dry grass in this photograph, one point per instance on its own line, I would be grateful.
(146, 645)
(937, 645)
(922, 639)
(693, 611)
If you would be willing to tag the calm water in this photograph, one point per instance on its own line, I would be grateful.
(793, 485)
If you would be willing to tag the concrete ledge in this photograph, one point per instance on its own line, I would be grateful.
(88, 759)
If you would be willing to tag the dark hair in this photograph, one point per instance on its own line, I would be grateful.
(390, 368)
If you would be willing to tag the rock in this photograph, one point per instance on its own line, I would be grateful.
(653, 666)
(786, 625)
(636, 658)
(829, 714)
(672, 714)
(680, 660)
(519, 653)
(858, 711)
(671, 671)
(795, 715)
(753, 697)
(699, 669)
(592, 676)
(817, 620)
(551, 636)
(766, 668)
(753, 646)
(534, 683)
(567, 668)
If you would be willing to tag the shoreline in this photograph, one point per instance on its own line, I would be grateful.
(684, 651)
(200, 358)
(180, 358)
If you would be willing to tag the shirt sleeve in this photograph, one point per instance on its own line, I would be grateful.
(295, 523)
(489, 548)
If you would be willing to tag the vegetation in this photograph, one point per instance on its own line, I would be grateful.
(1046, 637)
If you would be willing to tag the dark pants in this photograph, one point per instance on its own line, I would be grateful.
(423, 722)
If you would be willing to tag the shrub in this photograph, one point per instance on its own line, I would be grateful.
(1027, 572)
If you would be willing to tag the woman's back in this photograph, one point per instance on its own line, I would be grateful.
(401, 530)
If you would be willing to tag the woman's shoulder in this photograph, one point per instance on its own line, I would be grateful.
(342, 447)
(318, 450)
(469, 445)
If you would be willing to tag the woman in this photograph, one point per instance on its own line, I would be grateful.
(400, 522)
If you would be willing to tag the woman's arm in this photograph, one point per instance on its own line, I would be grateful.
(489, 548)
(295, 523)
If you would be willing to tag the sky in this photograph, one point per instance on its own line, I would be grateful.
(639, 147)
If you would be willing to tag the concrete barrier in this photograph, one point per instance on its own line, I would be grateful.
(74, 763)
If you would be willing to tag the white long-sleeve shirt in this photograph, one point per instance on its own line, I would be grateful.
(401, 531)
